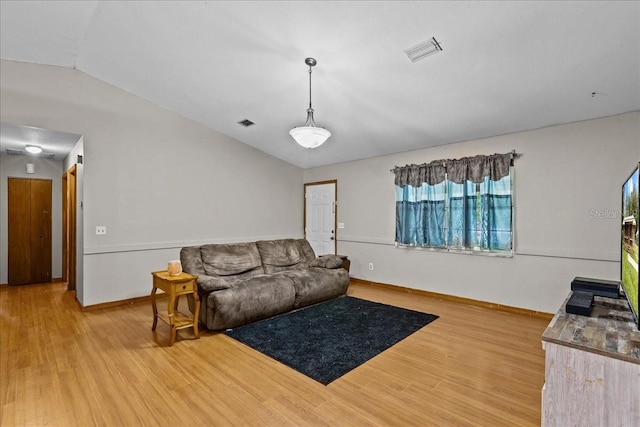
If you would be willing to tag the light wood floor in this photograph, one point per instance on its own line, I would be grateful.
(62, 367)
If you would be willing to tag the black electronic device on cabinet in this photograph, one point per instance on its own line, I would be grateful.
(580, 303)
(598, 287)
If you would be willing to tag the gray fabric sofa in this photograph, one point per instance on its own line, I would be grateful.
(241, 283)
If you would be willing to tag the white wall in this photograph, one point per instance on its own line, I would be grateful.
(158, 181)
(567, 177)
(15, 167)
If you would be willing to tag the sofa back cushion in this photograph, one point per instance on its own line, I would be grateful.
(284, 254)
(236, 259)
(307, 250)
(191, 260)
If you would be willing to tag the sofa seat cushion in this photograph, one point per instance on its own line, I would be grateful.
(280, 255)
(249, 300)
(237, 259)
(314, 285)
(207, 284)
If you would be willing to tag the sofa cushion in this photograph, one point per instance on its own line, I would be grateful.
(307, 250)
(237, 259)
(249, 300)
(279, 255)
(313, 285)
(327, 261)
(207, 284)
(191, 260)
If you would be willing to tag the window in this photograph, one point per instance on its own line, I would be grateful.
(456, 205)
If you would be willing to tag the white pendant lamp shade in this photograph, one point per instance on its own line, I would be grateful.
(310, 135)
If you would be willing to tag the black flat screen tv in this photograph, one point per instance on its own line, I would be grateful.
(629, 239)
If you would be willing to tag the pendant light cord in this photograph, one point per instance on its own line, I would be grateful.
(309, 86)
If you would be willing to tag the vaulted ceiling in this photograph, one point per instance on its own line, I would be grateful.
(505, 66)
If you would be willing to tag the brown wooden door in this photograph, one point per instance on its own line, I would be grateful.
(29, 231)
(19, 233)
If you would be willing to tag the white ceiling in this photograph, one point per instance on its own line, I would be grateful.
(505, 66)
(55, 145)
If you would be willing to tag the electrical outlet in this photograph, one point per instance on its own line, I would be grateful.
(371, 266)
(341, 225)
(101, 230)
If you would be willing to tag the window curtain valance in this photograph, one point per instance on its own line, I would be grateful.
(473, 169)
(414, 175)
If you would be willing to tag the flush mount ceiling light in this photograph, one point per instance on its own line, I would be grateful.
(310, 135)
(33, 149)
(423, 50)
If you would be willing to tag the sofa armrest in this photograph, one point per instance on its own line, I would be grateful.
(327, 261)
(208, 284)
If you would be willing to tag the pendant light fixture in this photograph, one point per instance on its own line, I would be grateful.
(310, 135)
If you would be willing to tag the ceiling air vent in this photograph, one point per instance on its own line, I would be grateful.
(14, 152)
(246, 123)
(423, 50)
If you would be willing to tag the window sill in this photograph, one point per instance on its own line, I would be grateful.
(460, 252)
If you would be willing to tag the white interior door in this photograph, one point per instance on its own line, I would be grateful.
(320, 214)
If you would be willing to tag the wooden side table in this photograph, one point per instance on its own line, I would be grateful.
(175, 286)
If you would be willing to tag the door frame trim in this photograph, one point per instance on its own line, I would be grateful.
(335, 211)
(69, 227)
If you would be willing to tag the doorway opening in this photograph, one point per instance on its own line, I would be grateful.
(320, 216)
(69, 214)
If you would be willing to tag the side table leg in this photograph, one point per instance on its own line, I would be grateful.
(196, 315)
(155, 308)
(173, 335)
(170, 311)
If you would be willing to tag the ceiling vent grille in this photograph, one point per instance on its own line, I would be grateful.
(246, 123)
(423, 50)
(14, 152)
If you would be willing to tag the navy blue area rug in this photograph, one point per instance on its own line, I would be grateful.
(327, 340)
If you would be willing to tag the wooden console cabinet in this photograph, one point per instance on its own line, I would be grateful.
(592, 368)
